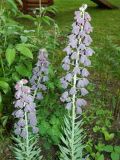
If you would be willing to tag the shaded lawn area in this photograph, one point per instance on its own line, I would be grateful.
(105, 22)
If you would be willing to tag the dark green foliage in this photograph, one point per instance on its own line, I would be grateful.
(18, 45)
(101, 151)
(12, 60)
(50, 111)
(98, 123)
(14, 52)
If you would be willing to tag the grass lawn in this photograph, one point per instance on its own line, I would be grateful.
(105, 22)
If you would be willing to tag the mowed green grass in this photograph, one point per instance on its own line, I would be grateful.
(106, 23)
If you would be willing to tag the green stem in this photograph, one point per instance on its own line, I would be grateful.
(2, 4)
(73, 119)
(35, 92)
(74, 110)
(55, 37)
(5, 41)
(2, 65)
(40, 6)
(27, 136)
(40, 11)
(74, 105)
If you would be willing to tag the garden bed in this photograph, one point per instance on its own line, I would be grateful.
(102, 115)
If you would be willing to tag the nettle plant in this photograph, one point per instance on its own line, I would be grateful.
(74, 83)
(15, 50)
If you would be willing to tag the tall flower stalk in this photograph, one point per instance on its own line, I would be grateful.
(40, 75)
(25, 115)
(75, 81)
(25, 110)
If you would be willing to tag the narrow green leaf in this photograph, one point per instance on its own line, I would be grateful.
(1, 105)
(26, 16)
(12, 4)
(0, 98)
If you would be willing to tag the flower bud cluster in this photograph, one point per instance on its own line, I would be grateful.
(40, 74)
(25, 109)
(77, 60)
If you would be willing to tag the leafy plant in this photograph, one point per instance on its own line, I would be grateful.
(3, 122)
(15, 50)
(11, 6)
(74, 82)
(114, 150)
(98, 124)
(26, 124)
(102, 151)
(24, 152)
(71, 146)
(50, 111)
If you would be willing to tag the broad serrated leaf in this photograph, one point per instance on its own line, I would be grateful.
(4, 86)
(24, 50)
(10, 55)
(23, 71)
